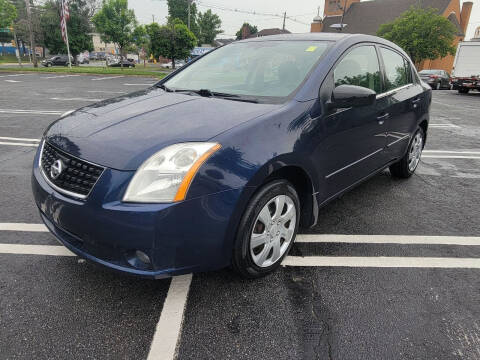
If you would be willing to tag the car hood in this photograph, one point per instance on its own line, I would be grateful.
(123, 132)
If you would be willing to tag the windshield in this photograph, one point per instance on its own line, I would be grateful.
(430, 72)
(271, 69)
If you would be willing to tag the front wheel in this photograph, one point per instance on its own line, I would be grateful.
(267, 230)
(409, 163)
(463, 91)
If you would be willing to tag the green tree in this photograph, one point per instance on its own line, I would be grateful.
(141, 40)
(116, 23)
(8, 13)
(251, 28)
(422, 33)
(78, 27)
(172, 41)
(209, 25)
(178, 9)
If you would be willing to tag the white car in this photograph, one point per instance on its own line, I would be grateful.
(178, 64)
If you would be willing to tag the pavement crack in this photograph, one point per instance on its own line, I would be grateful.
(324, 338)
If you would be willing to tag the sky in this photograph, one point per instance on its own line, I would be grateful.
(300, 12)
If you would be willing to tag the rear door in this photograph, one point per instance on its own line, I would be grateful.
(405, 98)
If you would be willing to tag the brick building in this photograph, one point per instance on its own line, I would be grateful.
(366, 17)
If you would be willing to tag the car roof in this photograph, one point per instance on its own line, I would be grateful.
(298, 37)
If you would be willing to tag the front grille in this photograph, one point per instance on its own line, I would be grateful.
(76, 177)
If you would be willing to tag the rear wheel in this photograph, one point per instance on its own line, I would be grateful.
(463, 91)
(267, 230)
(408, 164)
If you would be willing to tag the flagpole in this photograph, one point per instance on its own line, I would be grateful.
(68, 47)
(64, 18)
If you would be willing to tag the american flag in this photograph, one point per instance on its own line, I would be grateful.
(64, 16)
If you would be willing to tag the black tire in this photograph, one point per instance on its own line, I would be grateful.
(401, 168)
(463, 91)
(242, 261)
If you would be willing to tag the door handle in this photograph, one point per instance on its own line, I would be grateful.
(381, 119)
(415, 102)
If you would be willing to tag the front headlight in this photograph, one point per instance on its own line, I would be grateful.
(167, 175)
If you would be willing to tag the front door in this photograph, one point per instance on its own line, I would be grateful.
(354, 138)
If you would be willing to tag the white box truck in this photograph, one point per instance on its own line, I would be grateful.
(466, 68)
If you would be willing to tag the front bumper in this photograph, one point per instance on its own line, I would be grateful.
(189, 236)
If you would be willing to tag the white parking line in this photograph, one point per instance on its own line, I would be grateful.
(139, 84)
(106, 91)
(12, 81)
(167, 333)
(23, 227)
(443, 126)
(49, 250)
(59, 76)
(107, 78)
(449, 157)
(382, 262)
(18, 139)
(74, 99)
(450, 152)
(390, 239)
(17, 144)
(31, 112)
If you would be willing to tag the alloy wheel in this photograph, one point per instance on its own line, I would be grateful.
(273, 231)
(415, 151)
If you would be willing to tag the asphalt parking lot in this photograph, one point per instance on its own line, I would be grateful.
(391, 271)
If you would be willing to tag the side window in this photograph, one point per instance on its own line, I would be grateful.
(397, 73)
(359, 67)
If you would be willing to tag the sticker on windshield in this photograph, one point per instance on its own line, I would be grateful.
(311, 48)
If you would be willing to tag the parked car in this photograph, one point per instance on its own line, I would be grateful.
(57, 60)
(82, 59)
(437, 79)
(178, 64)
(214, 168)
(118, 63)
(97, 56)
(466, 68)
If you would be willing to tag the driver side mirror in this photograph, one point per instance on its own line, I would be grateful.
(346, 96)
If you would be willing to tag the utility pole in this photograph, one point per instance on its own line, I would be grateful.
(19, 56)
(32, 38)
(153, 18)
(343, 15)
(189, 2)
(284, 18)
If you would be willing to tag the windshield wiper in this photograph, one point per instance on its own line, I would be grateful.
(209, 93)
(167, 89)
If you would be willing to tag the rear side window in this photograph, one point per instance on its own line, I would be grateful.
(397, 69)
(359, 67)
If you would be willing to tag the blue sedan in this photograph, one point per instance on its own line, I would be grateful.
(222, 161)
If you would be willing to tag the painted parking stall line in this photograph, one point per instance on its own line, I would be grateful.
(107, 78)
(390, 239)
(47, 250)
(382, 262)
(31, 112)
(11, 141)
(139, 84)
(450, 154)
(18, 144)
(167, 333)
(23, 227)
(75, 99)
